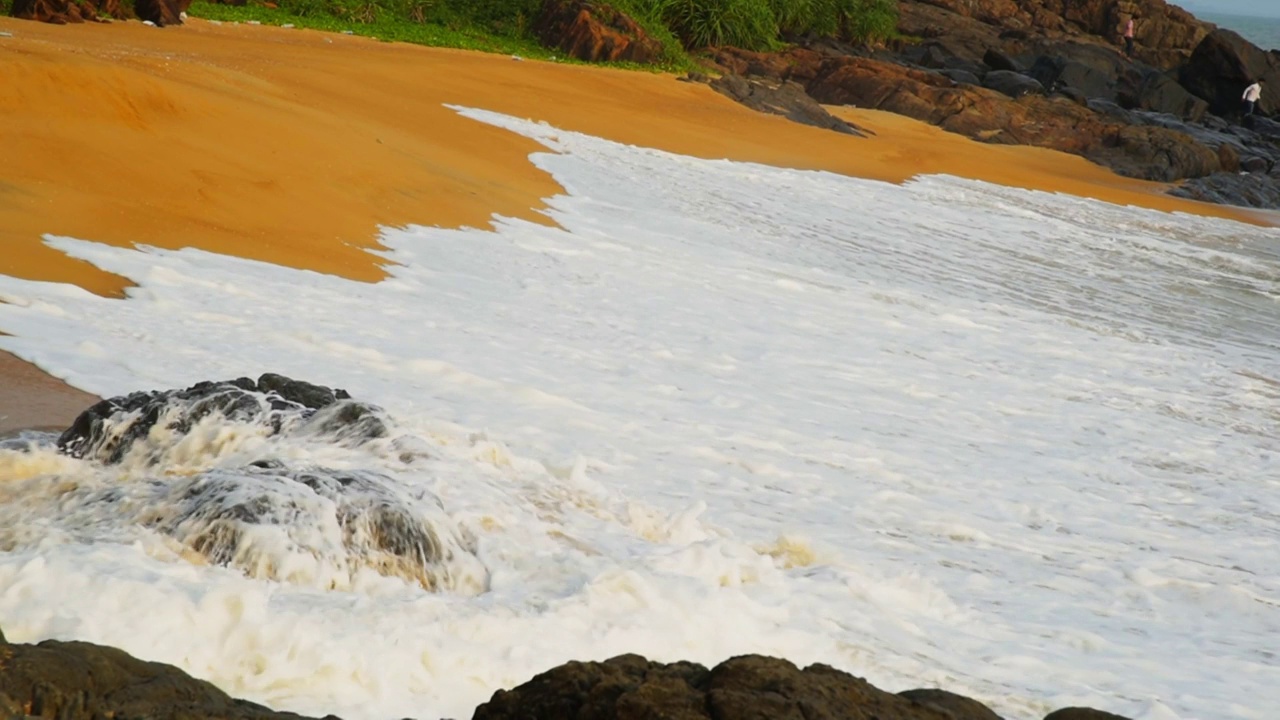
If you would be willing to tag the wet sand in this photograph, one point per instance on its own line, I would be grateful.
(30, 399)
(293, 147)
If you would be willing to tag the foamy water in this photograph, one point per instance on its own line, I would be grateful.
(1021, 446)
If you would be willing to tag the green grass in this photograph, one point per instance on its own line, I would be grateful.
(370, 19)
(505, 26)
(377, 23)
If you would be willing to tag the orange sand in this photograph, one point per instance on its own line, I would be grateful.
(293, 146)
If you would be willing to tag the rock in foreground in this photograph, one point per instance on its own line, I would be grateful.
(748, 687)
(82, 681)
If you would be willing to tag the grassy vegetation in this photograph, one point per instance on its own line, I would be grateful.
(505, 26)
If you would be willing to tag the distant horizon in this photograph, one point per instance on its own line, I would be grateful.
(1239, 8)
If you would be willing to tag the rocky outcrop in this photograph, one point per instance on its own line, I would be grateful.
(61, 12)
(114, 427)
(594, 32)
(1020, 115)
(1049, 73)
(748, 687)
(1223, 65)
(82, 681)
(206, 480)
(1165, 34)
(781, 97)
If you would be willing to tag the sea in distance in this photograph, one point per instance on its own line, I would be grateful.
(1261, 31)
(1019, 445)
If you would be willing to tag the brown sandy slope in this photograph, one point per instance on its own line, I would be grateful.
(292, 146)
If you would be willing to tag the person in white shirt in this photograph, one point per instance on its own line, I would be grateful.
(1251, 95)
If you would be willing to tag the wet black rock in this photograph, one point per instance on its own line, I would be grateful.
(109, 430)
(1254, 190)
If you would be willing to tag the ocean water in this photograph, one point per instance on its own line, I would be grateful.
(1261, 31)
(1022, 446)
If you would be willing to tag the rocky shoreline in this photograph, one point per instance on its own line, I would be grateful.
(204, 513)
(84, 681)
(1051, 74)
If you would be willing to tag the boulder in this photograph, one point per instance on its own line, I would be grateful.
(961, 76)
(997, 60)
(82, 681)
(1223, 64)
(595, 32)
(161, 12)
(781, 97)
(1080, 713)
(113, 428)
(1159, 92)
(1013, 84)
(957, 705)
(747, 687)
(1093, 70)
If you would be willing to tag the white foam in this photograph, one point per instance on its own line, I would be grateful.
(1017, 445)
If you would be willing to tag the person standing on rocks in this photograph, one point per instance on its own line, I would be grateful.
(1128, 38)
(1251, 95)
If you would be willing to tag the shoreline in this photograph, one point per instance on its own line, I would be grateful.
(295, 146)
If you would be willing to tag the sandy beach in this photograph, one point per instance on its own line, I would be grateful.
(294, 147)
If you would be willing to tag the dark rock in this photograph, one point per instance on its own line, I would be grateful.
(961, 76)
(997, 60)
(1080, 713)
(1255, 190)
(1094, 71)
(1223, 64)
(1149, 152)
(161, 12)
(113, 427)
(784, 98)
(595, 32)
(958, 706)
(1013, 84)
(1265, 127)
(1255, 164)
(749, 687)
(81, 681)
(1161, 93)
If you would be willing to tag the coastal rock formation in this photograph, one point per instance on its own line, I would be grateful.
(82, 681)
(1050, 73)
(748, 687)
(114, 427)
(782, 97)
(203, 477)
(595, 32)
(1223, 64)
